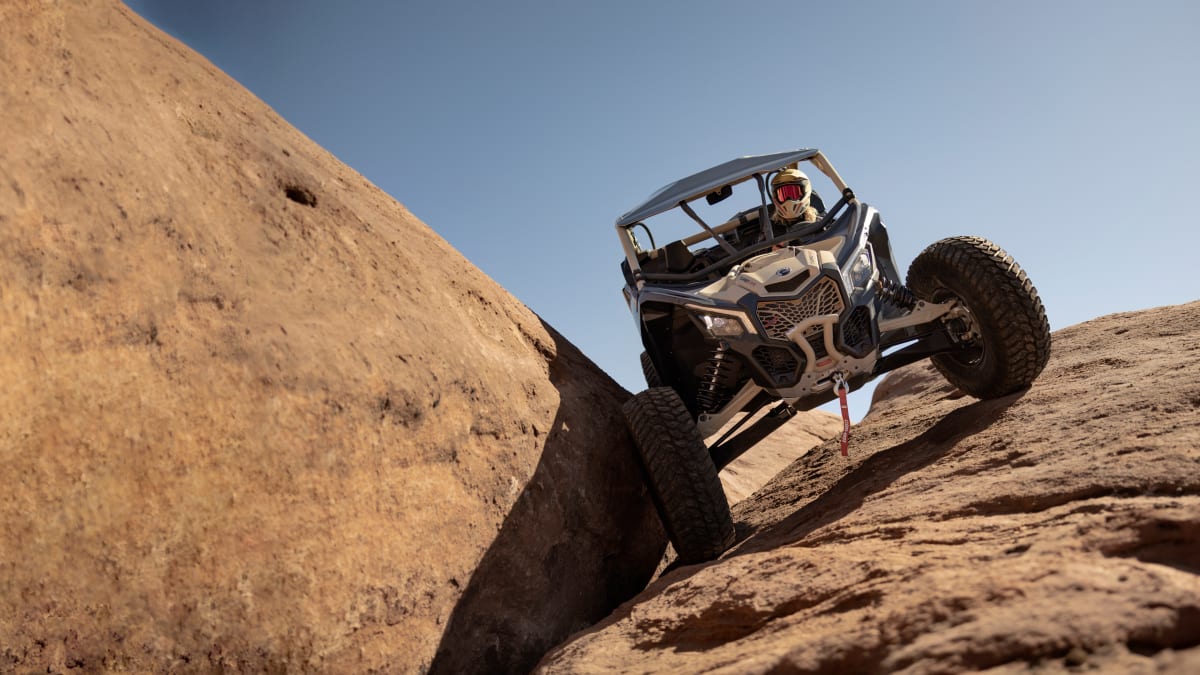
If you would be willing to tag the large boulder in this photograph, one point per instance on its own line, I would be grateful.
(1056, 529)
(256, 416)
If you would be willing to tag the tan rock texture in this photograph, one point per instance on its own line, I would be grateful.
(761, 463)
(256, 416)
(1054, 530)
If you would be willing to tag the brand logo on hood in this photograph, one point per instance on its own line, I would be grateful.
(783, 271)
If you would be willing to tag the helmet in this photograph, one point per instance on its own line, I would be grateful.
(791, 193)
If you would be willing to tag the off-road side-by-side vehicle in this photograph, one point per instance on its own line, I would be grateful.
(747, 321)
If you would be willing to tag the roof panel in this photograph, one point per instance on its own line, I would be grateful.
(699, 184)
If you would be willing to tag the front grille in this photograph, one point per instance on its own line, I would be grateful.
(856, 332)
(816, 340)
(780, 316)
(779, 363)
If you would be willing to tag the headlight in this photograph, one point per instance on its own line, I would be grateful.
(861, 269)
(722, 326)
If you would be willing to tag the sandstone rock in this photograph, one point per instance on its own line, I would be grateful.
(1051, 530)
(760, 464)
(256, 416)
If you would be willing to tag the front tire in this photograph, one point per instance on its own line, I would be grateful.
(680, 474)
(1013, 342)
(650, 372)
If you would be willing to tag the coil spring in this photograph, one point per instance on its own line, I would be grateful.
(896, 294)
(711, 395)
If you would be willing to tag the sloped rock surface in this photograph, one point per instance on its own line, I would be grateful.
(1055, 529)
(754, 469)
(256, 416)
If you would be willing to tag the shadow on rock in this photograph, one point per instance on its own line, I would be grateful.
(582, 537)
(875, 474)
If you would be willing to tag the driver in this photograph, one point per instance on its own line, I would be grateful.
(791, 193)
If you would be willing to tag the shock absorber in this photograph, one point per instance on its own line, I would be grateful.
(896, 294)
(711, 394)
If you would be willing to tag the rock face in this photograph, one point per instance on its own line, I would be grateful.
(256, 416)
(752, 470)
(1054, 529)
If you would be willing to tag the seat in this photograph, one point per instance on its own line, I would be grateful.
(816, 202)
(674, 258)
(677, 257)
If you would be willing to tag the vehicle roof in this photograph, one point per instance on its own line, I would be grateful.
(704, 182)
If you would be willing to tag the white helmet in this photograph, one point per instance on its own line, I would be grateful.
(791, 192)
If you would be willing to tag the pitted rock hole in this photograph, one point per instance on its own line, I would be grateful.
(300, 195)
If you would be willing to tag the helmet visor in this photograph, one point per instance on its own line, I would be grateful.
(790, 192)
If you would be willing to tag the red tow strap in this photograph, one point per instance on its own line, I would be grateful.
(842, 388)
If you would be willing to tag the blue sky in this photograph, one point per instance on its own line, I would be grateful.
(1067, 132)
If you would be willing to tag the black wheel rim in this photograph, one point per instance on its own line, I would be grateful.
(970, 354)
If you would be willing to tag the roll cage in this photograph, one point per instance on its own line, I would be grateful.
(714, 185)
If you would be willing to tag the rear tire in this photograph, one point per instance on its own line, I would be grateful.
(680, 474)
(1014, 341)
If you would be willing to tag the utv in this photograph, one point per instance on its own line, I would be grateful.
(747, 321)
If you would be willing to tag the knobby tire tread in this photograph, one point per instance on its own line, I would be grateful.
(650, 372)
(1016, 333)
(682, 476)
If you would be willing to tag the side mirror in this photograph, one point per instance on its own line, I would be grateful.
(720, 194)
